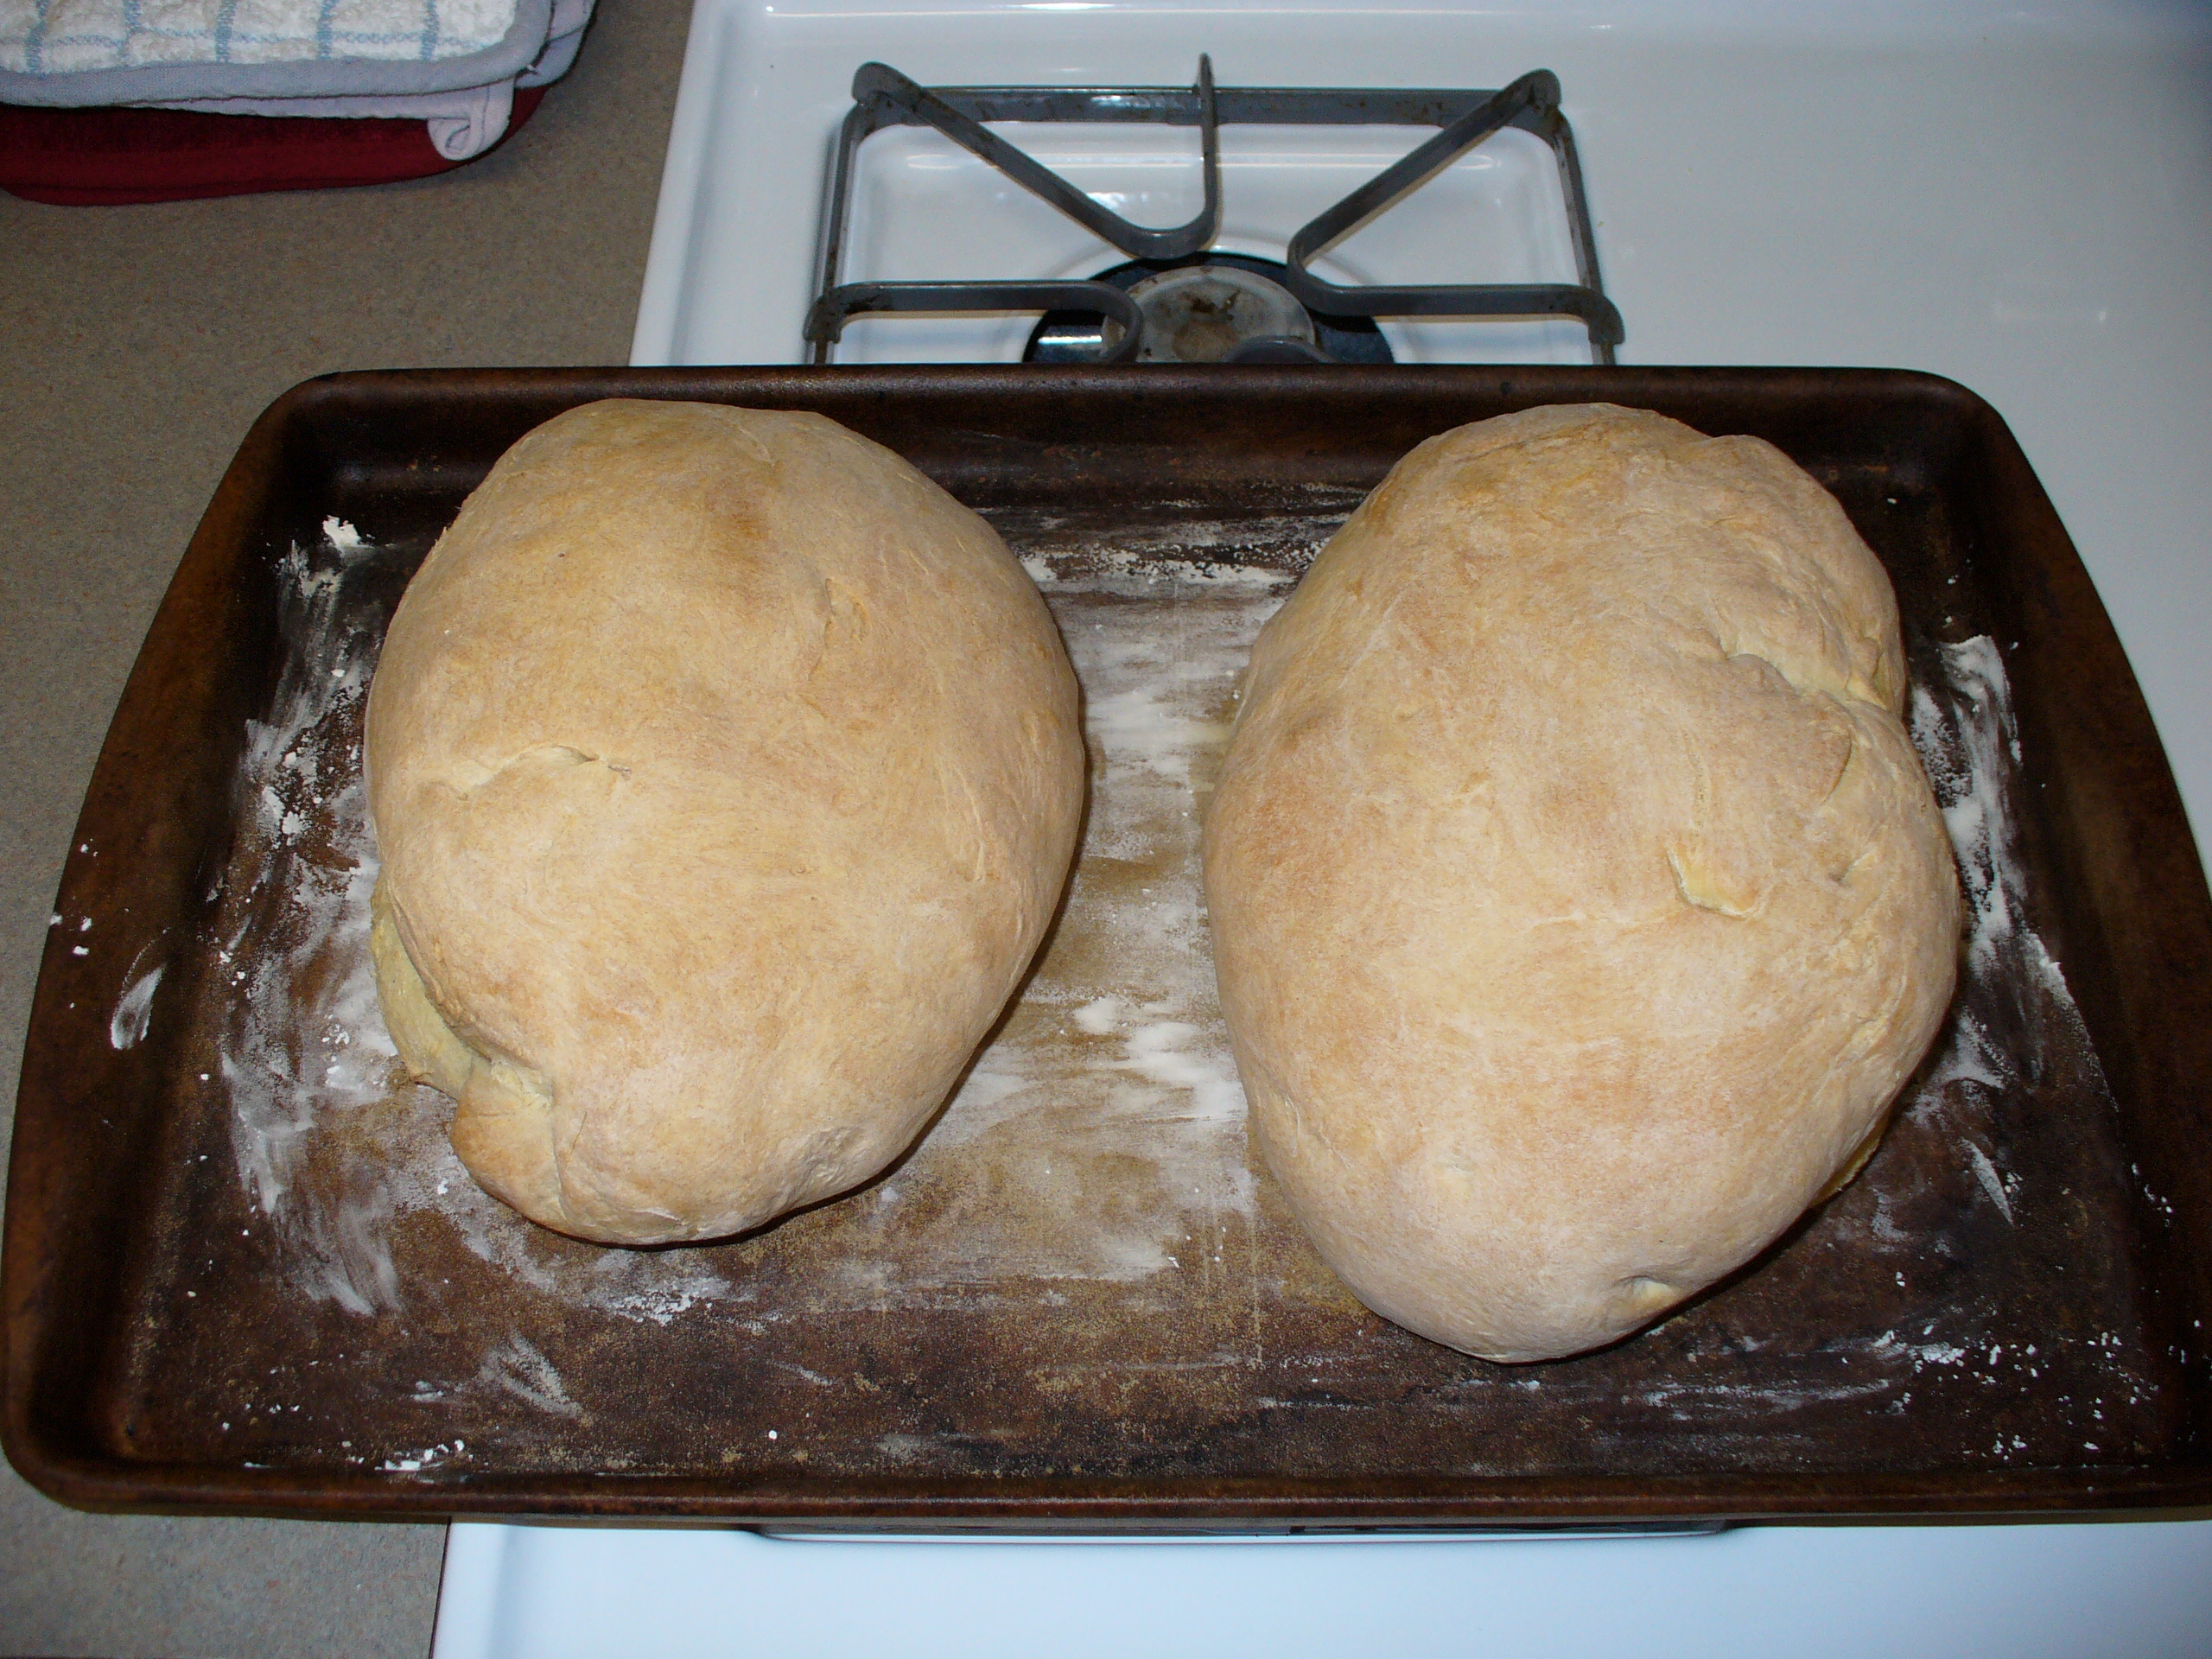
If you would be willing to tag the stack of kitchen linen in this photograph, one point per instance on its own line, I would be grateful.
(156, 100)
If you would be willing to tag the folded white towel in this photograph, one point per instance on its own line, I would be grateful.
(71, 52)
(56, 37)
(462, 123)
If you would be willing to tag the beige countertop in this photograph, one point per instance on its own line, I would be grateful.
(140, 344)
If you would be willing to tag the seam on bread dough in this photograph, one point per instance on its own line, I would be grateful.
(1373, 642)
(1860, 1156)
(1850, 759)
(1699, 888)
(1647, 1293)
(974, 862)
(1842, 877)
(754, 441)
(430, 1048)
(1804, 685)
(482, 777)
(1851, 687)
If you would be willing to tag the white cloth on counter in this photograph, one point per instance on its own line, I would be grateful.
(180, 52)
(462, 124)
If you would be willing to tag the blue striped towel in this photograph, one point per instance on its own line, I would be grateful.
(86, 52)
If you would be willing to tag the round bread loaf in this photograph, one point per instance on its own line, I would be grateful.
(1579, 904)
(725, 773)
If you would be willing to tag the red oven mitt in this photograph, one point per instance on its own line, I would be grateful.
(88, 157)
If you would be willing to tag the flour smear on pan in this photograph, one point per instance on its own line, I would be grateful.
(1108, 1105)
(331, 1141)
(1101, 1135)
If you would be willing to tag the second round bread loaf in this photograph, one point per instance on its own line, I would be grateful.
(1579, 903)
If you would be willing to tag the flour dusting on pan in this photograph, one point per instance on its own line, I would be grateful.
(306, 1044)
(1100, 1135)
(332, 1143)
(1969, 742)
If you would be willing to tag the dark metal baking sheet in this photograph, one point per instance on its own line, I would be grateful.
(242, 1271)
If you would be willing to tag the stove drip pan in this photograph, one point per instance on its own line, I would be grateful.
(1211, 308)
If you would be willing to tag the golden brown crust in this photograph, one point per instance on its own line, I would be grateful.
(725, 774)
(1579, 902)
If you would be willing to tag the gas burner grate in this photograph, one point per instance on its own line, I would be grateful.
(1133, 312)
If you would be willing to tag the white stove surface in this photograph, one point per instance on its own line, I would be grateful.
(2018, 198)
(2052, 1592)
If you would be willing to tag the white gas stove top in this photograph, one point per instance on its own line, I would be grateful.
(2019, 200)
